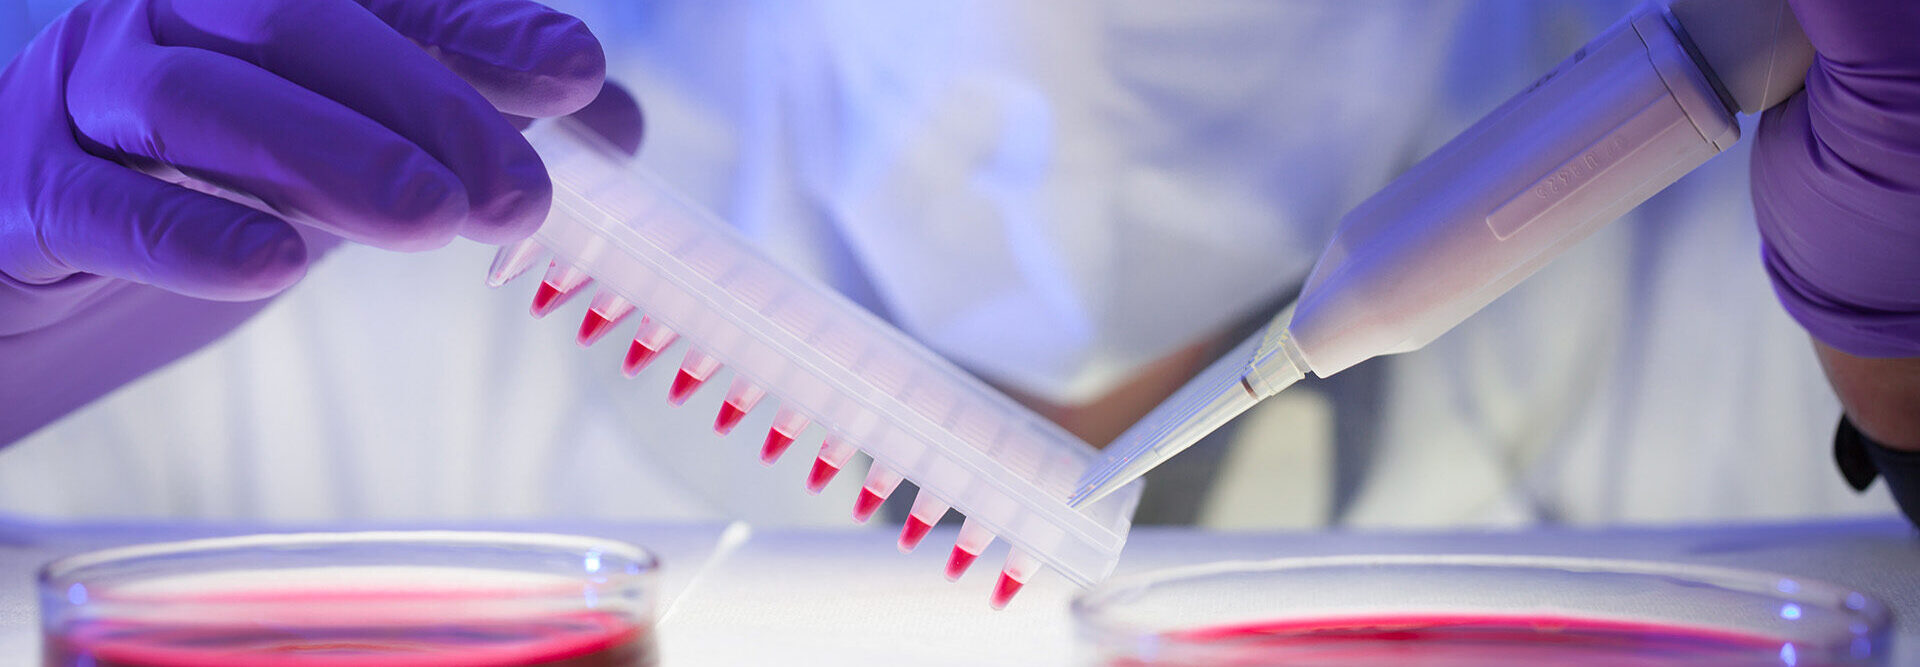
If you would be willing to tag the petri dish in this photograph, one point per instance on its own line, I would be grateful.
(366, 599)
(1417, 611)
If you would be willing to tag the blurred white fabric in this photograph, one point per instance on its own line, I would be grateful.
(1052, 194)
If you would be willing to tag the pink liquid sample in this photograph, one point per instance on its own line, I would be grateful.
(776, 444)
(1427, 641)
(638, 356)
(684, 384)
(592, 327)
(1004, 590)
(913, 532)
(583, 639)
(730, 416)
(546, 298)
(864, 506)
(958, 562)
(818, 477)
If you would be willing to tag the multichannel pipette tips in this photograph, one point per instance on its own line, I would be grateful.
(866, 505)
(821, 355)
(822, 473)
(729, 417)
(1004, 590)
(1015, 574)
(648, 342)
(694, 371)
(592, 328)
(741, 397)
(606, 310)
(638, 356)
(973, 540)
(787, 425)
(912, 533)
(927, 511)
(958, 562)
(776, 444)
(881, 482)
(545, 299)
(559, 285)
(512, 260)
(683, 387)
(834, 453)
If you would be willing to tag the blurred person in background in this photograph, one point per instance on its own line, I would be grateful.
(1079, 201)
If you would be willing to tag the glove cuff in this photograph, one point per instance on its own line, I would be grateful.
(1861, 459)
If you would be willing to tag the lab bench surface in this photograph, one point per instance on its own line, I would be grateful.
(847, 598)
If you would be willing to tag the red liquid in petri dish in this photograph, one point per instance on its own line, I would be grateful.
(584, 639)
(1480, 641)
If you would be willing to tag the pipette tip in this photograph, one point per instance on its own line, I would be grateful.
(958, 562)
(638, 356)
(592, 327)
(684, 384)
(912, 533)
(545, 299)
(866, 505)
(730, 416)
(776, 444)
(822, 473)
(1004, 590)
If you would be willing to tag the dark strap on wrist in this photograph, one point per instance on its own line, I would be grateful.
(1861, 459)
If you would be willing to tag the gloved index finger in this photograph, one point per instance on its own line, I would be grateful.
(338, 49)
(525, 58)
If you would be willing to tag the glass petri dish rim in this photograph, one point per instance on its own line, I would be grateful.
(60, 570)
(1100, 630)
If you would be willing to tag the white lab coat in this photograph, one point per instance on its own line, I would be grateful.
(1052, 194)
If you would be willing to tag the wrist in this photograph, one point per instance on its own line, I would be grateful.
(1881, 396)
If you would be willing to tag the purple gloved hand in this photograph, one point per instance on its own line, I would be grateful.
(1836, 180)
(377, 121)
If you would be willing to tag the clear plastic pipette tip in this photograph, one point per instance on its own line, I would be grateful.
(973, 539)
(512, 260)
(926, 512)
(561, 283)
(1258, 367)
(1013, 576)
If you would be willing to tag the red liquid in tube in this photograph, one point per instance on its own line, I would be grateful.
(730, 416)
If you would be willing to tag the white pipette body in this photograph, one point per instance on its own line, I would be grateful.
(1621, 119)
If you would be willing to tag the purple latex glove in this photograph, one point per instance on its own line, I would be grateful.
(1836, 180)
(377, 121)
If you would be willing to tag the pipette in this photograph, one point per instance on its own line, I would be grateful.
(1650, 99)
(832, 367)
